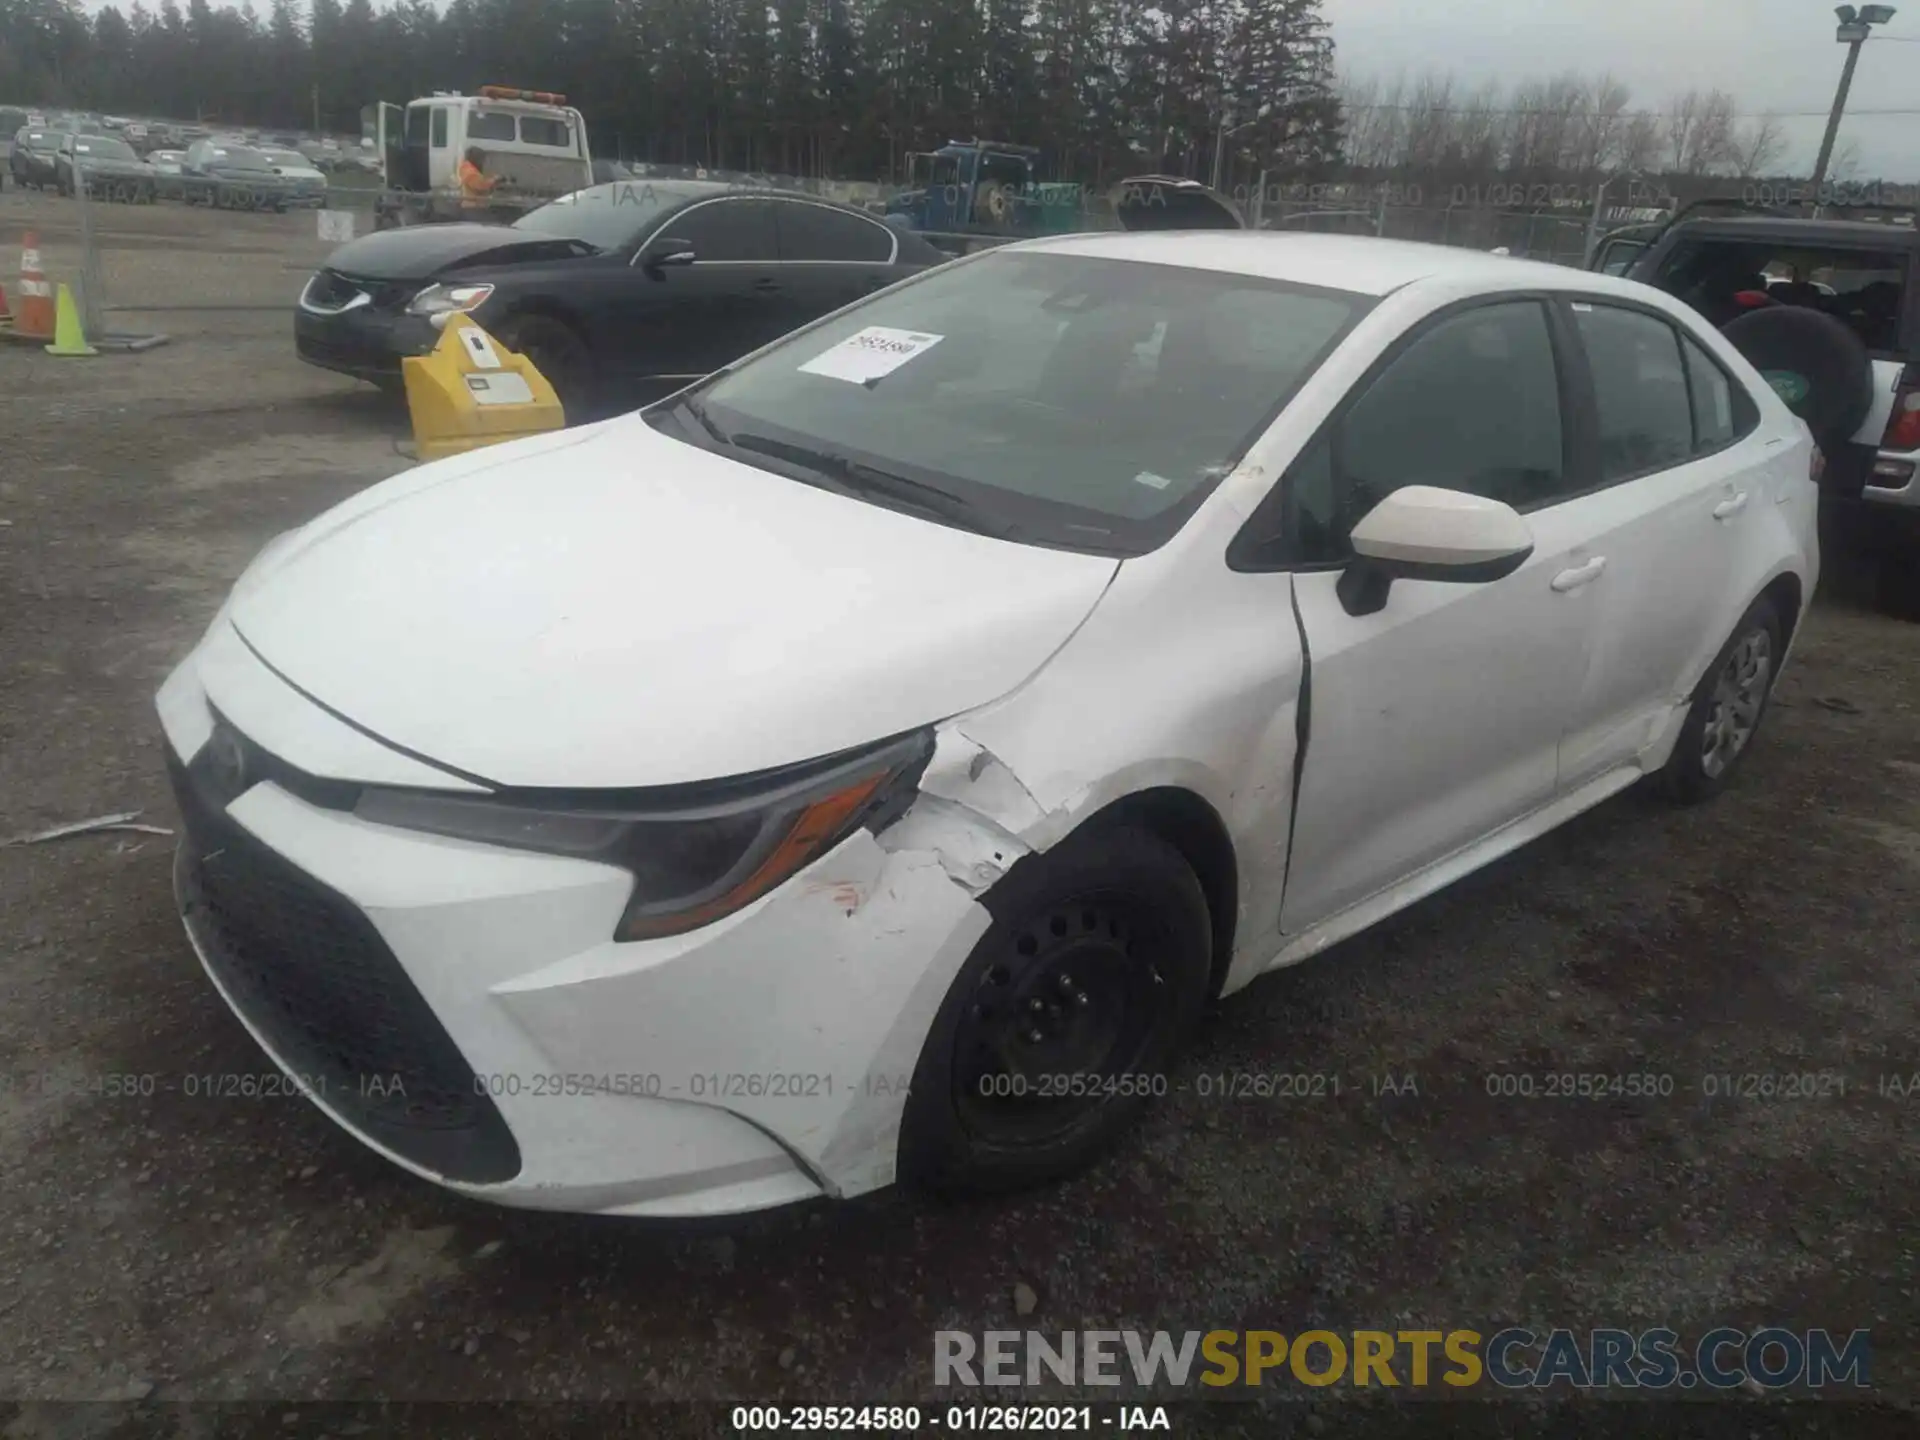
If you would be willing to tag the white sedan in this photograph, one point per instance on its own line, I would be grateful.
(867, 763)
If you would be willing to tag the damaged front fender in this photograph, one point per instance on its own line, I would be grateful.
(969, 814)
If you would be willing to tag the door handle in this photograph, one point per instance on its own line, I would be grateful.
(1727, 509)
(1580, 575)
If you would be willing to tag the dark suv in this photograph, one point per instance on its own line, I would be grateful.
(1829, 310)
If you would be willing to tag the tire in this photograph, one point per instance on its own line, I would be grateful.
(991, 205)
(1109, 936)
(1815, 355)
(557, 352)
(1729, 704)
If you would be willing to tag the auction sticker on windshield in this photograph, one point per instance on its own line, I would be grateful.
(876, 351)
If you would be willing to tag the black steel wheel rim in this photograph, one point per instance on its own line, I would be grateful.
(559, 361)
(1058, 1021)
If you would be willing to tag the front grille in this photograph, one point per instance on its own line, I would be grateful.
(310, 972)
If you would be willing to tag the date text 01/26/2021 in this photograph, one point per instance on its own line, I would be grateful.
(911, 1419)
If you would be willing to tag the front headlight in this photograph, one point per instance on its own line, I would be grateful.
(697, 854)
(445, 299)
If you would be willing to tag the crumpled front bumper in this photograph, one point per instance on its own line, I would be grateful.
(761, 1060)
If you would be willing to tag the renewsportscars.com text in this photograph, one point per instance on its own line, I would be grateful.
(1512, 1358)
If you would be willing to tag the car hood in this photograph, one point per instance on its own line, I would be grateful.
(115, 166)
(608, 607)
(419, 252)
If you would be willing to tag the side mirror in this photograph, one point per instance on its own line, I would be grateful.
(664, 251)
(1423, 533)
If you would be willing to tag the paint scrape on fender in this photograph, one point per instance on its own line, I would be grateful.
(973, 850)
(968, 813)
(966, 772)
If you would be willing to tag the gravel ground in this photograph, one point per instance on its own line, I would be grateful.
(162, 1248)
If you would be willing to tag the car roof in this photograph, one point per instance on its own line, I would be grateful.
(1359, 264)
(1800, 230)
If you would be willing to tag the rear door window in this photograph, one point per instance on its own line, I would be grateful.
(1722, 409)
(818, 232)
(1639, 390)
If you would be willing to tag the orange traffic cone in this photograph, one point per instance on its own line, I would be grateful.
(36, 318)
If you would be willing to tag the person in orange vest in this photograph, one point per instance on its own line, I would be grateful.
(476, 186)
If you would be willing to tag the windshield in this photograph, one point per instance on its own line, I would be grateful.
(1080, 402)
(100, 149)
(41, 140)
(606, 216)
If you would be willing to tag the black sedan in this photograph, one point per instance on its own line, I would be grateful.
(36, 150)
(231, 176)
(111, 168)
(624, 290)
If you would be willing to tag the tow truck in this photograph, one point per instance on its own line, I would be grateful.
(535, 145)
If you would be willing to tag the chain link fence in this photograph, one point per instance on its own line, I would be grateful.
(1560, 239)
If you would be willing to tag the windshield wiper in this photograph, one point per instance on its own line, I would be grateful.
(695, 411)
(865, 481)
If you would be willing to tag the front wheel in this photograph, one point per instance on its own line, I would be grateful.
(1057, 1031)
(558, 353)
(1728, 705)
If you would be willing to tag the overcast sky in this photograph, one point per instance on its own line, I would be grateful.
(1771, 55)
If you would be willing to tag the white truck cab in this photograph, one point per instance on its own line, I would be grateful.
(535, 146)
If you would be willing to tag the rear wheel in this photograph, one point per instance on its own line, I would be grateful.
(1057, 1031)
(1728, 706)
(557, 352)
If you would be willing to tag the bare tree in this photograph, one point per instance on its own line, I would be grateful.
(1372, 114)
(1753, 150)
(1602, 126)
(1640, 142)
(1477, 131)
(1712, 134)
(1699, 128)
(1681, 121)
(1429, 122)
(1844, 164)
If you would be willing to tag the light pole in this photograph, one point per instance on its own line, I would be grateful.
(1855, 27)
(1220, 141)
(1599, 204)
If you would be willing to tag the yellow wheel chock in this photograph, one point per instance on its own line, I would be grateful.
(472, 391)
